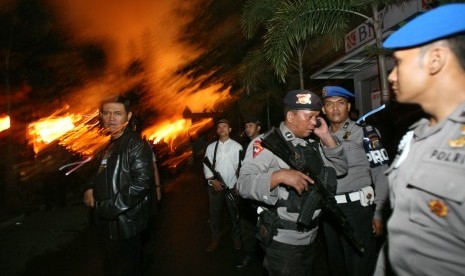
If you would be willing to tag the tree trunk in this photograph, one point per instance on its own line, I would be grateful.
(300, 55)
(383, 78)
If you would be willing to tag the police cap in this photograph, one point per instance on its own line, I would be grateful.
(302, 99)
(439, 23)
(336, 91)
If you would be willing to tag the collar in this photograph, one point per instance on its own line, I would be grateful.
(289, 135)
(422, 128)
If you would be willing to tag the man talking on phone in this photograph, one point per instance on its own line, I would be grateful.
(267, 178)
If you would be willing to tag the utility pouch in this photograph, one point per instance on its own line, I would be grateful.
(267, 226)
(367, 196)
(295, 201)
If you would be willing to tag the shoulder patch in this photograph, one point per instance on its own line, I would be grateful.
(257, 147)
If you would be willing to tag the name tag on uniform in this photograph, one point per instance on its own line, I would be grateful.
(446, 156)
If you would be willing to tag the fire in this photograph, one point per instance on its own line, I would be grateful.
(173, 133)
(76, 132)
(4, 123)
(173, 163)
(86, 137)
(196, 128)
(167, 131)
(47, 130)
(178, 136)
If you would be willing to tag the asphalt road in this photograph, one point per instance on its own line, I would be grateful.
(60, 241)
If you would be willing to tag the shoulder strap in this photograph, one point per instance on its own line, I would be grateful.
(214, 153)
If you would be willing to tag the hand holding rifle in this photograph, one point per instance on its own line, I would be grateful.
(219, 184)
(275, 142)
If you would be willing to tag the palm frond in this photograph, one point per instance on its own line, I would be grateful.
(297, 21)
(255, 14)
(254, 68)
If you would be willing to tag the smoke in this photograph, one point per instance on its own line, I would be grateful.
(145, 33)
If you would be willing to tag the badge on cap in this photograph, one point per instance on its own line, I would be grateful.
(304, 99)
(257, 147)
(438, 207)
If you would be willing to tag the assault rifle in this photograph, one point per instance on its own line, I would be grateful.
(216, 175)
(275, 142)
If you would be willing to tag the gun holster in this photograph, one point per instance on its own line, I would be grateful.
(267, 226)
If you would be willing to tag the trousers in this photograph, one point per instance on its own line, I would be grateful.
(342, 258)
(289, 260)
(217, 201)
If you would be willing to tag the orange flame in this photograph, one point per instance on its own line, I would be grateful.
(4, 123)
(47, 130)
(174, 133)
(76, 132)
(177, 135)
(167, 131)
(173, 163)
(86, 137)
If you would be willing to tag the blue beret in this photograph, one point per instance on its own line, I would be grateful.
(336, 91)
(441, 22)
(302, 99)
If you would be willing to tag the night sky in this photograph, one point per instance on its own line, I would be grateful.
(165, 55)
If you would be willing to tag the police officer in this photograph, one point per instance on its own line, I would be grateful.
(265, 177)
(426, 179)
(364, 187)
(248, 207)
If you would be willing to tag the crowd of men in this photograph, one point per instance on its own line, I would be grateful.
(317, 170)
(321, 168)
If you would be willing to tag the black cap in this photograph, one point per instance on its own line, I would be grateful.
(220, 121)
(302, 99)
(253, 120)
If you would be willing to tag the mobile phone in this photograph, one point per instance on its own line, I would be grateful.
(318, 123)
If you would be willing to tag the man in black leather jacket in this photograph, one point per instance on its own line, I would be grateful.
(121, 192)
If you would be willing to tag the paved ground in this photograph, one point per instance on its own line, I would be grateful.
(61, 242)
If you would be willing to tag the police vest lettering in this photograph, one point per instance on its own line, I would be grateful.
(447, 156)
(378, 156)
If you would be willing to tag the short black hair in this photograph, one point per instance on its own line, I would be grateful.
(457, 45)
(118, 99)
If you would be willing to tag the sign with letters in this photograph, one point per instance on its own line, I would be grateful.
(358, 36)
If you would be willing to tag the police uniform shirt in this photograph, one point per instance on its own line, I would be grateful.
(360, 173)
(255, 176)
(427, 182)
(227, 160)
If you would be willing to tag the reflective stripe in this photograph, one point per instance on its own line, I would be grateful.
(348, 197)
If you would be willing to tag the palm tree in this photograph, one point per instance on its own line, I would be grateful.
(260, 84)
(294, 24)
